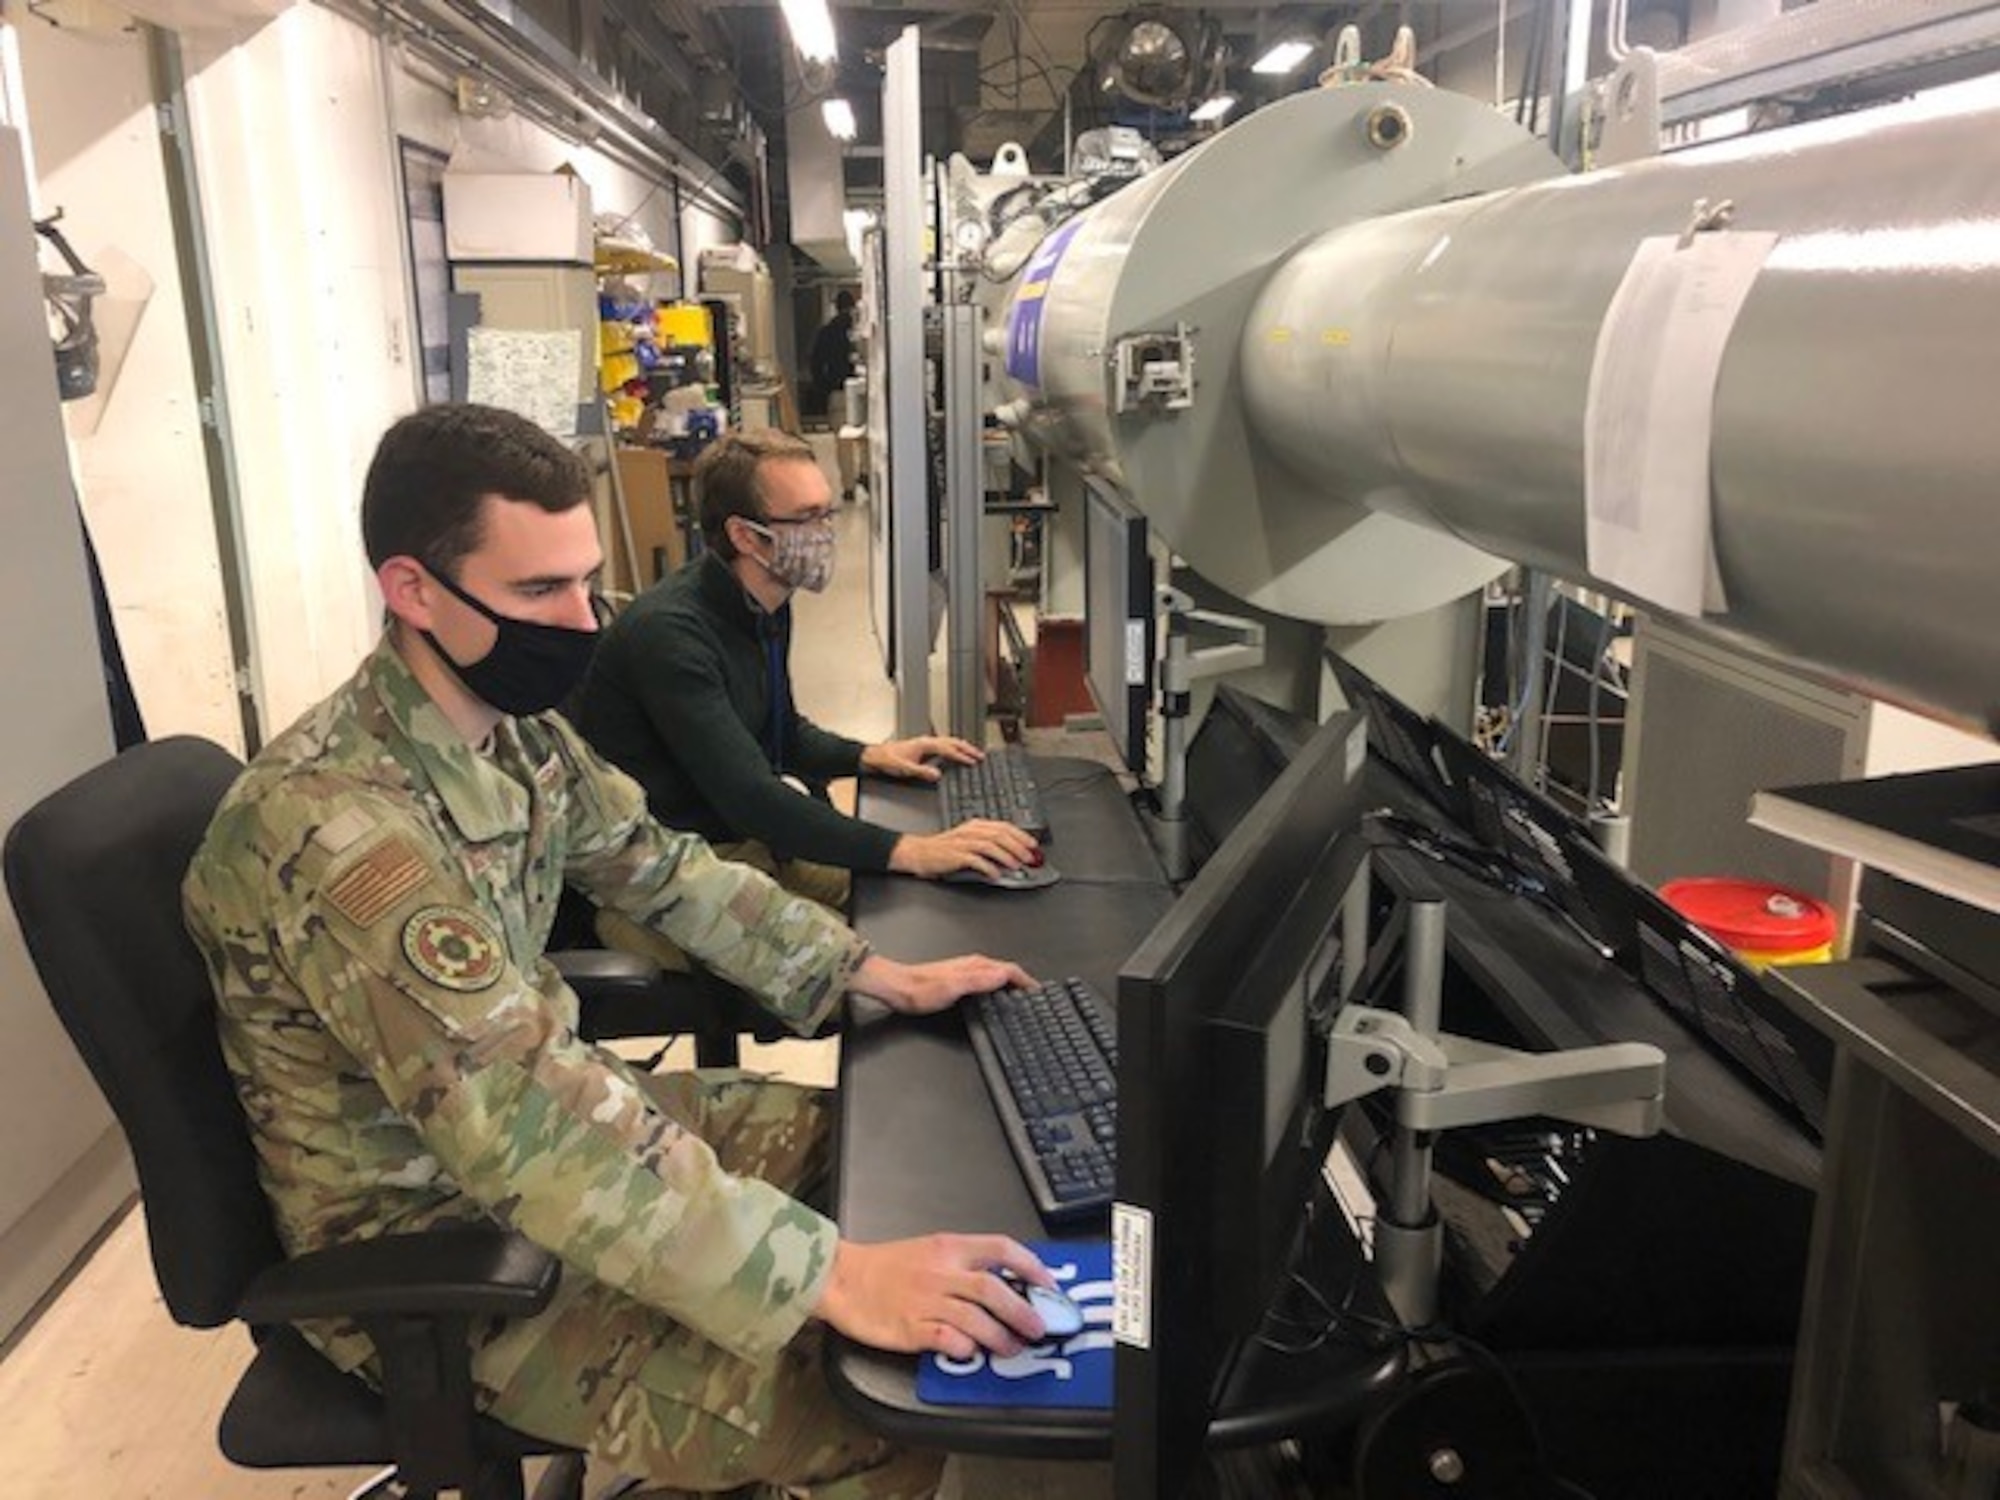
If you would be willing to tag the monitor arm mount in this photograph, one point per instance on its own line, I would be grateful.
(1443, 1081)
(1183, 663)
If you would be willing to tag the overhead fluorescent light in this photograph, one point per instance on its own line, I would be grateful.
(855, 223)
(1213, 108)
(811, 25)
(1283, 57)
(839, 117)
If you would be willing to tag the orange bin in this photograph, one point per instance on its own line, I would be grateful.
(1763, 924)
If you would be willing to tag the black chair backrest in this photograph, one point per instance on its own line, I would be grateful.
(95, 871)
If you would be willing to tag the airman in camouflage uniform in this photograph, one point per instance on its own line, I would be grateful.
(374, 898)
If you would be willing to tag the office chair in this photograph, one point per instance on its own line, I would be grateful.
(95, 871)
(625, 995)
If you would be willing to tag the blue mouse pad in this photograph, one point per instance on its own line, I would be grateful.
(1075, 1371)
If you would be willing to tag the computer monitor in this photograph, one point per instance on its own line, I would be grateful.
(1222, 1131)
(1118, 640)
(1242, 746)
(1538, 839)
(1718, 997)
(1404, 738)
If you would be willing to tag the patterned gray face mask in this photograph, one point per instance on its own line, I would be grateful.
(801, 552)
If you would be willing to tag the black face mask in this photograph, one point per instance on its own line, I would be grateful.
(531, 668)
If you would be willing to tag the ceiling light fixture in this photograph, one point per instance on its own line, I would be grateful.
(1157, 55)
(811, 25)
(1213, 108)
(1283, 57)
(839, 117)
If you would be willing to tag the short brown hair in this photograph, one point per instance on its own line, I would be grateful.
(725, 479)
(432, 470)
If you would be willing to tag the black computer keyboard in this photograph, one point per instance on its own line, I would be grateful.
(1000, 787)
(1050, 1060)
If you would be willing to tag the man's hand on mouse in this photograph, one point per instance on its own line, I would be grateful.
(936, 1293)
(909, 760)
(979, 844)
(920, 989)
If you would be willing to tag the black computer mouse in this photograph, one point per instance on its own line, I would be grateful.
(1021, 878)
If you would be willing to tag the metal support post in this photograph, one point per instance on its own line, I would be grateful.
(1170, 822)
(1531, 639)
(1613, 832)
(965, 503)
(1444, 1081)
(1409, 1240)
(1178, 670)
(902, 320)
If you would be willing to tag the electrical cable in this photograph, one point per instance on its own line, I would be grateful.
(1593, 714)
(1528, 67)
(1549, 696)
(1024, 22)
(1342, 1318)
(1535, 66)
(1517, 672)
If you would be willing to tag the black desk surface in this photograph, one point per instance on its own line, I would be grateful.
(919, 1150)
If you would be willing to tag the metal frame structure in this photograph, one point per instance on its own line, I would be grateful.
(903, 332)
(965, 499)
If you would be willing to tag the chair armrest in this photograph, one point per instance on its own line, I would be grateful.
(604, 973)
(474, 1272)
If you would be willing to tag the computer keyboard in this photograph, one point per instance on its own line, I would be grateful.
(1049, 1057)
(1000, 787)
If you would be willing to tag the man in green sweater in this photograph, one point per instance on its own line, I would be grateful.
(690, 694)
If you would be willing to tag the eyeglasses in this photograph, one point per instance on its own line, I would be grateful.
(808, 520)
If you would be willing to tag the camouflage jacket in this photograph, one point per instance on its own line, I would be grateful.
(373, 899)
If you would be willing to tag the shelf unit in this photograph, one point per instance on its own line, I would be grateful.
(1902, 1311)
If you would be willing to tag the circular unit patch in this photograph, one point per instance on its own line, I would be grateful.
(452, 947)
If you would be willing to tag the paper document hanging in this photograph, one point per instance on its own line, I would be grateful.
(1649, 419)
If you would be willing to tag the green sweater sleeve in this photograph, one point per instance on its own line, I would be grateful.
(822, 754)
(686, 698)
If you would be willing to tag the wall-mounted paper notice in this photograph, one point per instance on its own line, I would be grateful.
(533, 373)
(1650, 417)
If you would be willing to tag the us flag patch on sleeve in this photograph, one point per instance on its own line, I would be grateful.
(377, 883)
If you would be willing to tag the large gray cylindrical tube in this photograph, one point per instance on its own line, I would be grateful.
(1183, 253)
(1437, 363)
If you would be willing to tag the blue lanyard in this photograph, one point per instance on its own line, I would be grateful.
(774, 688)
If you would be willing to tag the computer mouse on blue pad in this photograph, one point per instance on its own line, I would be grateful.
(1021, 878)
(1060, 1316)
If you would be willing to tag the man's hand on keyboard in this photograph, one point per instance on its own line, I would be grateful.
(919, 989)
(909, 760)
(938, 1292)
(977, 844)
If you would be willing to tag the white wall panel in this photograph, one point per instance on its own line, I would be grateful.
(304, 228)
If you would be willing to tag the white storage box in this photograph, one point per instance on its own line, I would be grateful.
(517, 216)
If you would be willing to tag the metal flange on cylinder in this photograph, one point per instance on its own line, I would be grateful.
(1437, 362)
(1123, 332)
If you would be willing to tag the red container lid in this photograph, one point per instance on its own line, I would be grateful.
(1752, 916)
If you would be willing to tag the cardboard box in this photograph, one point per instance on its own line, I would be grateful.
(648, 478)
(517, 216)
